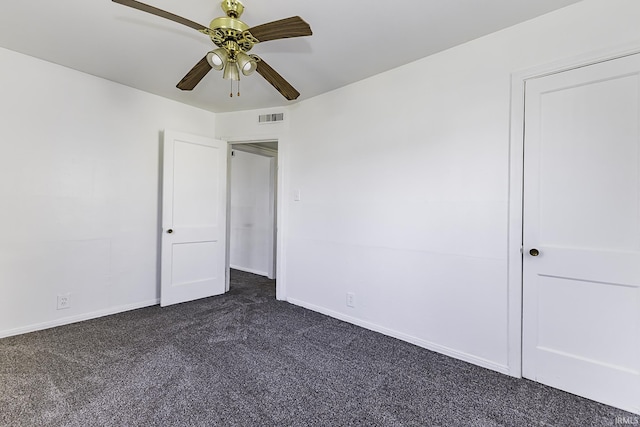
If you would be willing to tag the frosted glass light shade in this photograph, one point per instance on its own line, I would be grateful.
(246, 63)
(217, 58)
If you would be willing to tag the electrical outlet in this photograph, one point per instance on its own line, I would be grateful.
(64, 301)
(351, 299)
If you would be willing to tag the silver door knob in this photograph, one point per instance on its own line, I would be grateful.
(169, 231)
(534, 252)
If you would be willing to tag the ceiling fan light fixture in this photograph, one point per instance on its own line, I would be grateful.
(233, 39)
(231, 71)
(217, 58)
(246, 63)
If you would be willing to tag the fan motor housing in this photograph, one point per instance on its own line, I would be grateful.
(224, 29)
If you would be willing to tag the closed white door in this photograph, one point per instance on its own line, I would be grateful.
(193, 218)
(581, 295)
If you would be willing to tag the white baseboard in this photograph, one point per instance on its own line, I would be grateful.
(249, 270)
(503, 369)
(77, 318)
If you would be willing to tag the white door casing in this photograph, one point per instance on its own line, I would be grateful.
(194, 193)
(581, 294)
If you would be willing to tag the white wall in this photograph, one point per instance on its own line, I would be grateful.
(79, 185)
(244, 126)
(251, 213)
(404, 179)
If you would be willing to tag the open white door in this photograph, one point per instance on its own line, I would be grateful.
(193, 218)
(581, 294)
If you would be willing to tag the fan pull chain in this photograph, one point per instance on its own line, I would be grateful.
(231, 93)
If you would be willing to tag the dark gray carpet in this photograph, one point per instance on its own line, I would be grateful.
(245, 359)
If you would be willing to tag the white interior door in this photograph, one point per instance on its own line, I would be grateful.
(193, 218)
(581, 294)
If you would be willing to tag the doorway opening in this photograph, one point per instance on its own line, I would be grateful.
(252, 208)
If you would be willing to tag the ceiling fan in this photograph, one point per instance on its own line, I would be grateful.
(234, 39)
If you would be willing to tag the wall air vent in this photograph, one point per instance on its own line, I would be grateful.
(270, 118)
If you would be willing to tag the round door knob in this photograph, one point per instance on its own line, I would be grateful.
(534, 252)
(169, 231)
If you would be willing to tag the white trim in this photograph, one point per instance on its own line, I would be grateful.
(503, 369)
(227, 247)
(514, 244)
(248, 147)
(249, 270)
(282, 217)
(516, 182)
(78, 318)
(578, 61)
(249, 140)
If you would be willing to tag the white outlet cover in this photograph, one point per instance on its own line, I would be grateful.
(351, 299)
(64, 302)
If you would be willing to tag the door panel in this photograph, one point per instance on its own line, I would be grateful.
(581, 295)
(593, 330)
(195, 263)
(196, 188)
(589, 154)
(193, 218)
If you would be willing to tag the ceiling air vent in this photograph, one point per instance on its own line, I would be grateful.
(270, 118)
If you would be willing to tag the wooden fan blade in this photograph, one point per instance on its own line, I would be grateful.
(194, 75)
(282, 29)
(159, 12)
(276, 80)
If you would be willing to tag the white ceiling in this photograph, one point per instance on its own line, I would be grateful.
(352, 40)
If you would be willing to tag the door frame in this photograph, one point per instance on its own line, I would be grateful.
(280, 212)
(272, 155)
(516, 186)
